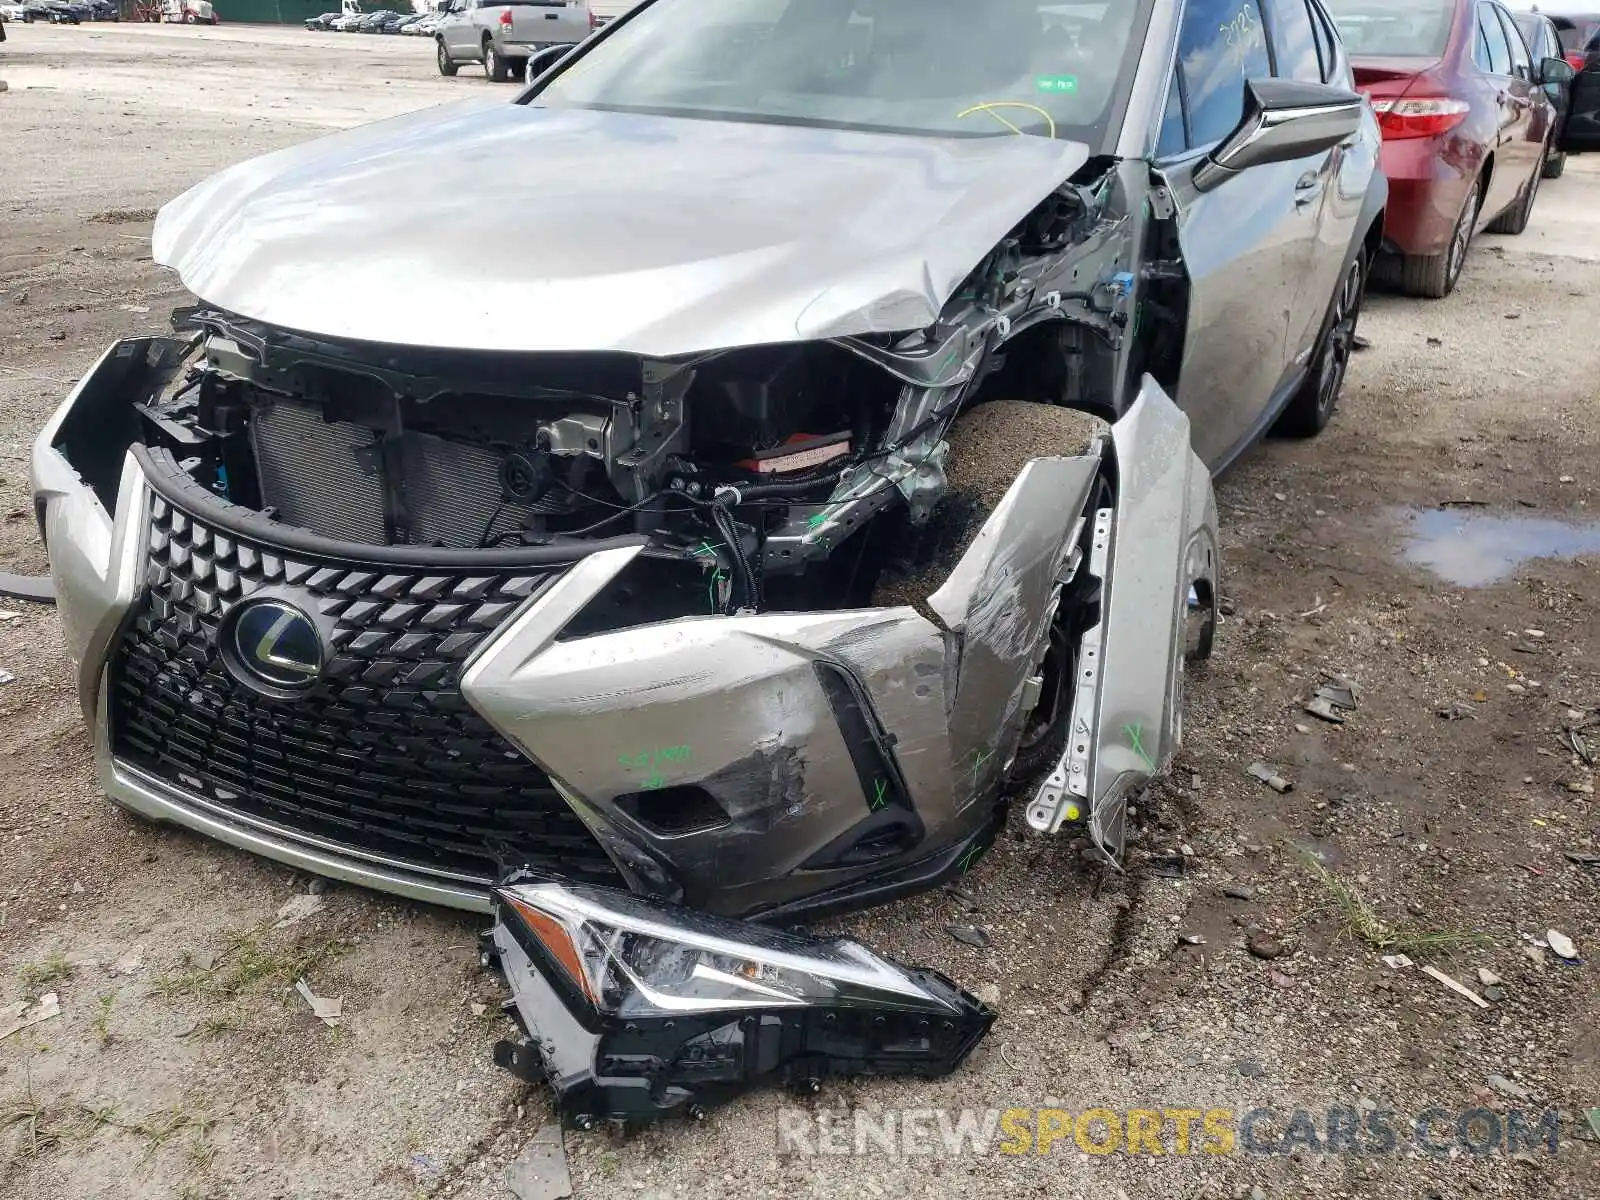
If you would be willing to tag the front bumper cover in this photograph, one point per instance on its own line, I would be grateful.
(814, 734)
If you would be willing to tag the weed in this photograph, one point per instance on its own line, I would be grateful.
(245, 964)
(210, 1029)
(39, 1131)
(156, 1128)
(102, 1017)
(37, 977)
(1362, 921)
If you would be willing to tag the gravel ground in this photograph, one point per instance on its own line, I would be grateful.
(183, 1064)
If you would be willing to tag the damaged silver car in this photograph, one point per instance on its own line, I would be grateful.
(734, 471)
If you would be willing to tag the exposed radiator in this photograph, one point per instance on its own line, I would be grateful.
(327, 477)
(316, 474)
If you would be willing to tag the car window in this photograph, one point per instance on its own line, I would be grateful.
(1324, 36)
(1535, 31)
(1494, 38)
(1294, 43)
(1221, 45)
(1054, 68)
(1394, 28)
(1174, 137)
(1480, 50)
(1521, 64)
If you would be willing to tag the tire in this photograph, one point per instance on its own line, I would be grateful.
(1515, 219)
(1312, 407)
(1556, 165)
(1434, 276)
(447, 65)
(493, 65)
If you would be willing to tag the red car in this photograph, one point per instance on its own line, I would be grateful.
(1467, 126)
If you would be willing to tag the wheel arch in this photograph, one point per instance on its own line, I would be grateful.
(1373, 241)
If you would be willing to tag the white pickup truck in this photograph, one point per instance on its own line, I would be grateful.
(501, 34)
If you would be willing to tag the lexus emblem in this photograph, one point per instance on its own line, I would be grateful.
(272, 646)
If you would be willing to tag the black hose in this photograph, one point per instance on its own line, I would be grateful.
(744, 574)
(785, 490)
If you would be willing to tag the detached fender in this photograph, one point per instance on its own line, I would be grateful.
(1152, 550)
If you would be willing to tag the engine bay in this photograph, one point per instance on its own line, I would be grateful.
(799, 476)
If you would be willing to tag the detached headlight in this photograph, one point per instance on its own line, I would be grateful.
(637, 1009)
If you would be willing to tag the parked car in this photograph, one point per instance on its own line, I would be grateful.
(396, 22)
(15, 12)
(541, 61)
(1543, 40)
(347, 23)
(1467, 129)
(418, 23)
(1581, 35)
(322, 21)
(828, 461)
(190, 12)
(373, 22)
(1577, 30)
(58, 12)
(501, 34)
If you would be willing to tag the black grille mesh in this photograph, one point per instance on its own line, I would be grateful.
(383, 755)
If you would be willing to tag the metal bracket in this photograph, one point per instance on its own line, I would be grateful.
(521, 1059)
(1057, 800)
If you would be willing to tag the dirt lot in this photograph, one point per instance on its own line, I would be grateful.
(183, 1064)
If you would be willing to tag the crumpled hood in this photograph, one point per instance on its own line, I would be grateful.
(510, 227)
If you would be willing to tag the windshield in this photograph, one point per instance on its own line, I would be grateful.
(1394, 28)
(951, 67)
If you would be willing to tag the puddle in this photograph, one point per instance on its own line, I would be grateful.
(1474, 547)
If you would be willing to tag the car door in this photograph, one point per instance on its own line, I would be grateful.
(1511, 115)
(1526, 93)
(1248, 244)
(460, 34)
(449, 18)
(1582, 131)
(1544, 43)
(1304, 53)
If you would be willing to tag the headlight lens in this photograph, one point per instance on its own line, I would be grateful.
(629, 957)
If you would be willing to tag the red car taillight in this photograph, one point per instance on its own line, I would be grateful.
(1414, 117)
(593, 22)
(1576, 59)
(505, 20)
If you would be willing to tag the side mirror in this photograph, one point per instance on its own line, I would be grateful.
(1283, 120)
(1556, 71)
(541, 61)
